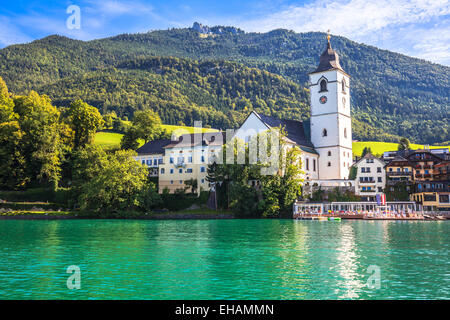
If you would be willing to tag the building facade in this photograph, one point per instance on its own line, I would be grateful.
(331, 128)
(370, 177)
(325, 139)
(420, 175)
(188, 159)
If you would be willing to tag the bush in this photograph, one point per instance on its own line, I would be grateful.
(60, 196)
(177, 202)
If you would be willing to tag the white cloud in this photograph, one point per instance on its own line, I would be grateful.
(9, 34)
(378, 22)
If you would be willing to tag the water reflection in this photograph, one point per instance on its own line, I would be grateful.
(223, 259)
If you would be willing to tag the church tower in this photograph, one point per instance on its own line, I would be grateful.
(331, 127)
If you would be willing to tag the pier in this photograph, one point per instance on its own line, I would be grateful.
(394, 210)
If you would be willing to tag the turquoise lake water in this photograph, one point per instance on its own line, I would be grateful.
(225, 259)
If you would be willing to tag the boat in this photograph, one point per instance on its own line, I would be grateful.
(334, 218)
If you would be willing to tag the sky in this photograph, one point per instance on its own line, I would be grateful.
(418, 28)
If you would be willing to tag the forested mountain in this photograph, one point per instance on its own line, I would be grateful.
(392, 94)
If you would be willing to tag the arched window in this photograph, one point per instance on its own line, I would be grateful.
(323, 85)
(329, 153)
(324, 133)
(343, 85)
(345, 133)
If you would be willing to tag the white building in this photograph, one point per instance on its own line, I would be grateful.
(331, 127)
(370, 177)
(326, 138)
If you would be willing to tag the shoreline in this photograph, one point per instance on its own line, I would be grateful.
(174, 216)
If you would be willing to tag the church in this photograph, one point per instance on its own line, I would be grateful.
(326, 138)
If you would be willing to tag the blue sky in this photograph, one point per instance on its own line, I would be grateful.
(419, 28)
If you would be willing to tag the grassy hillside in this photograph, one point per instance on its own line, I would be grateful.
(391, 93)
(379, 147)
(111, 139)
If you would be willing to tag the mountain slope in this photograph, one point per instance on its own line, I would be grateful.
(392, 92)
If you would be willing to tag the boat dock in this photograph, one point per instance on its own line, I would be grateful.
(395, 210)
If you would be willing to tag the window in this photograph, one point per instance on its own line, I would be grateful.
(203, 159)
(189, 170)
(171, 160)
(345, 133)
(162, 170)
(171, 171)
(160, 161)
(180, 170)
(202, 169)
(368, 169)
(143, 161)
(307, 164)
(380, 189)
(171, 181)
(324, 133)
(379, 179)
(379, 169)
(329, 153)
(363, 170)
(190, 159)
(329, 164)
(203, 180)
(406, 169)
(390, 169)
(323, 85)
(314, 165)
(343, 85)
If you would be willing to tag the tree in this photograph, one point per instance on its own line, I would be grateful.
(40, 144)
(365, 151)
(192, 183)
(84, 120)
(147, 124)
(403, 144)
(129, 140)
(112, 183)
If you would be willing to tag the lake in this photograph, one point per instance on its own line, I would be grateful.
(225, 259)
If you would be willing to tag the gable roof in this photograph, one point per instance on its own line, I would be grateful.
(297, 131)
(368, 156)
(153, 147)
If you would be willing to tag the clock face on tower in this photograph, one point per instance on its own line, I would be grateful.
(323, 99)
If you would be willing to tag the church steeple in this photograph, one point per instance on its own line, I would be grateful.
(329, 59)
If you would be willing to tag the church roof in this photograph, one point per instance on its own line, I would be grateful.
(329, 60)
(297, 131)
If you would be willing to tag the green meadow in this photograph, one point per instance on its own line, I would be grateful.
(379, 147)
(112, 139)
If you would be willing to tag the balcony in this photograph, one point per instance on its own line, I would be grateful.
(180, 164)
(366, 181)
(369, 191)
(427, 166)
(418, 175)
(399, 174)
